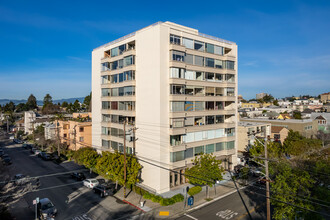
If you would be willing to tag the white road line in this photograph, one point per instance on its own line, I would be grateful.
(190, 216)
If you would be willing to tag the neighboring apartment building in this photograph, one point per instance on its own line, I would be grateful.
(323, 120)
(29, 118)
(178, 87)
(325, 97)
(279, 133)
(50, 132)
(245, 131)
(76, 132)
(307, 127)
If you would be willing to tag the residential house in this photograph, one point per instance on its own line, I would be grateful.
(284, 116)
(279, 133)
(325, 97)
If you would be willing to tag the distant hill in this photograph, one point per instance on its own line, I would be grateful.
(40, 102)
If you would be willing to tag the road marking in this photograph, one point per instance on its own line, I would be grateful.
(251, 211)
(227, 214)
(190, 216)
(164, 213)
(81, 217)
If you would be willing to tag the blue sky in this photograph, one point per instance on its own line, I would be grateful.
(46, 46)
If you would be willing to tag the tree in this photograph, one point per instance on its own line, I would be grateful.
(268, 98)
(9, 107)
(21, 107)
(111, 166)
(297, 115)
(275, 102)
(206, 170)
(64, 104)
(48, 100)
(31, 102)
(87, 102)
(76, 106)
(86, 156)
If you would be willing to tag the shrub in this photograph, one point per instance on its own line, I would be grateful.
(194, 190)
(155, 198)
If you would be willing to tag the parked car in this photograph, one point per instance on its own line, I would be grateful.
(104, 190)
(6, 160)
(78, 176)
(19, 179)
(90, 183)
(47, 208)
(44, 156)
(17, 141)
(1, 153)
(27, 146)
(4, 155)
(37, 152)
(255, 171)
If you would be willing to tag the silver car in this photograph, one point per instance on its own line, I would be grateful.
(47, 208)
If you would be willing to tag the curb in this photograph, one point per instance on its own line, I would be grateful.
(134, 205)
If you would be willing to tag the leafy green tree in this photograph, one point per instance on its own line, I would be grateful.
(21, 107)
(297, 115)
(206, 170)
(289, 185)
(111, 166)
(31, 102)
(268, 98)
(87, 102)
(76, 106)
(275, 102)
(64, 104)
(48, 100)
(86, 156)
(9, 107)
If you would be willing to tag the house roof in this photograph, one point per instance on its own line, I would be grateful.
(320, 117)
(307, 110)
(276, 129)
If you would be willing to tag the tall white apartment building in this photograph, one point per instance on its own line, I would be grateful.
(178, 87)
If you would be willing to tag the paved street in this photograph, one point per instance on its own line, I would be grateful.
(231, 207)
(72, 200)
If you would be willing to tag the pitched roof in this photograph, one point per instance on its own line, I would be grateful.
(307, 110)
(320, 117)
(276, 129)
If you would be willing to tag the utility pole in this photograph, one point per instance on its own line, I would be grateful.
(74, 138)
(58, 139)
(7, 124)
(125, 158)
(267, 176)
(134, 139)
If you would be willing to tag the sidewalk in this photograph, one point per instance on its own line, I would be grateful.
(158, 211)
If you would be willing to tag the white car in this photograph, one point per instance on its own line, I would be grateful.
(90, 183)
(37, 152)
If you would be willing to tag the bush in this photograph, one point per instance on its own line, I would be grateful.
(194, 190)
(162, 201)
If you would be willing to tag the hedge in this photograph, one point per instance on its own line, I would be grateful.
(194, 190)
(162, 201)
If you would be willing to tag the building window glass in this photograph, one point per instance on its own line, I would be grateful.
(218, 50)
(198, 150)
(209, 62)
(177, 89)
(230, 64)
(128, 60)
(199, 61)
(199, 106)
(177, 156)
(199, 46)
(219, 146)
(105, 143)
(105, 92)
(188, 106)
(209, 48)
(122, 48)
(209, 148)
(218, 64)
(188, 43)
(105, 105)
(199, 76)
(178, 56)
(114, 105)
(175, 39)
(189, 152)
(177, 106)
(189, 59)
(230, 145)
(189, 75)
(114, 52)
(105, 66)
(219, 133)
(105, 117)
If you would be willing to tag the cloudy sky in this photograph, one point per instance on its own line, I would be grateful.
(46, 46)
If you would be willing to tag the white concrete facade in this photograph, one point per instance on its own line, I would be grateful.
(29, 118)
(153, 112)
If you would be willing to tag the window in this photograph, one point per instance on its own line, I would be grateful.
(199, 61)
(209, 148)
(177, 106)
(114, 65)
(114, 92)
(105, 79)
(122, 48)
(218, 64)
(105, 92)
(65, 135)
(105, 105)
(121, 91)
(178, 56)
(177, 89)
(105, 118)
(218, 50)
(189, 121)
(177, 73)
(230, 145)
(209, 62)
(114, 132)
(129, 75)
(218, 105)
(114, 105)
(105, 66)
(209, 91)
(81, 129)
(190, 137)
(114, 52)
(209, 76)
(189, 152)
(105, 143)
(114, 78)
(190, 75)
(199, 106)
(219, 133)
(128, 60)
(209, 48)
(218, 77)
(188, 43)
(199, 121)
(120, 63)
(178, 122)
(199, 91)
(230, 77)
(129, 90)
(209, 105)
(230, 91)
(175, 140)
(230, 64)
(188, 106)
(218, 91)
(81, 139)
(198, 150)
(114, 145)
(199, 136)
(199, 46)
(121, 106)
(219, 119)
(175, 39)
(209, 120)
(199, 76)
(177, 156)
(189, 90)
(219, 146)
(189, 59)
